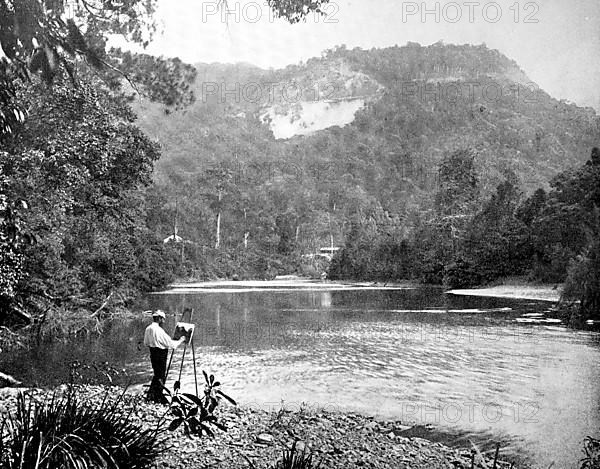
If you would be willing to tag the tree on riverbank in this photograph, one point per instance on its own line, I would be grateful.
(81, 165)
(583, 279)
(73, 162)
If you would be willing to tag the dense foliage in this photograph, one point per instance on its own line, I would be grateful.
(73, 164)
(49, 38)
(81, 165)
(591, 448)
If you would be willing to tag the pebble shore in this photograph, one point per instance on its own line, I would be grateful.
(257, 438)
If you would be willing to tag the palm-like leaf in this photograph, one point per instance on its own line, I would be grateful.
(62, 431)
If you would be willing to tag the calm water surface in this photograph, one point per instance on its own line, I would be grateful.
(468, 366)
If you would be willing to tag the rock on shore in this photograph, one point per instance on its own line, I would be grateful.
(257, 438)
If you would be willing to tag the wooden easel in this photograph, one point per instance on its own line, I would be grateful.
(177, 384)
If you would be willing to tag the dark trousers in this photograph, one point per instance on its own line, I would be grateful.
(158, 358)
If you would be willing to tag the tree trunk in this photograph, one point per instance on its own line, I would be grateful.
(246, 233)
(218, 241)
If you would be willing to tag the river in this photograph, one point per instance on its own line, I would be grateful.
(468, 368)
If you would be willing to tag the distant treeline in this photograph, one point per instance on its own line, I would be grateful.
(468, 240)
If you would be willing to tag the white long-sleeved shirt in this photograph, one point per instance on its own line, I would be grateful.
(155, 336)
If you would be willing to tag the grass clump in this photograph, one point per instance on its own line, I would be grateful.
(63, 432)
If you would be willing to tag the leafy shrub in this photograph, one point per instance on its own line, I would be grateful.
(591, 448)
(64, 432)
(197, 414)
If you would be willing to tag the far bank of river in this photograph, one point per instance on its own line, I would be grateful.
(525, 291)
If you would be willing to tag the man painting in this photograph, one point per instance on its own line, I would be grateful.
(159, 343)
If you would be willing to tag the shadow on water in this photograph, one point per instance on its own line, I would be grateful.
(463, 368)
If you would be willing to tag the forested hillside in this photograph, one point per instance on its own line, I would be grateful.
(235, 184)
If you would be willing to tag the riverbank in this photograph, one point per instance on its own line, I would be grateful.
(257, 438)
(549, 293)
(282, 283)
(516, 290)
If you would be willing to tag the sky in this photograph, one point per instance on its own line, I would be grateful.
(556, 42)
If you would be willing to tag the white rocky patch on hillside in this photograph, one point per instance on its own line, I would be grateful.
(307, 117)
(330, 97)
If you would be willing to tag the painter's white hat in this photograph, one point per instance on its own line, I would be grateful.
(158, 313)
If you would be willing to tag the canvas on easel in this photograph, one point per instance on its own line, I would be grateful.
(184, 329)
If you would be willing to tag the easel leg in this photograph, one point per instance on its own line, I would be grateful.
(169, 366)
(173, 351)
(194, 359)
(177, 385)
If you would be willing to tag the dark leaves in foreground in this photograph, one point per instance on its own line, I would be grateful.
(591, 448)
(62, 431)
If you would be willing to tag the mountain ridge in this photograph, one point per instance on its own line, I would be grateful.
(411, 119)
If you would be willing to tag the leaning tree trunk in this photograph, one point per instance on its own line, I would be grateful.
(218, 241)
